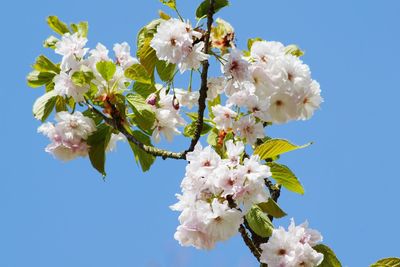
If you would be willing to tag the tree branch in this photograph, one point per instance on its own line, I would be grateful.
(247, 240)
(204, 77)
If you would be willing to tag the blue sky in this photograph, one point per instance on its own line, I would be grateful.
(57, 214)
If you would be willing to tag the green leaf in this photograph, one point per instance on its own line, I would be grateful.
(81, 28)
(330, 259)
(165, 70)
(44, 105)
(272, 208)
(294, 50)
(106, 69)
(148, 57)
(275, 147)
(93, 115)
(251, 41)
(138, 73)
(57, 25)
(98, 142)
(39, 78)
(163, 15)
(146, 32)
(387, 262)
(143, 158)
(213, 103)
(212, 138)
(51, 42)
(144, 116)
(143, 90)
(202, 10)
(169, 3)
(190, 129)
(259, 222)
(285, 177)
(44, 64)
(61, 104)
(82, 78)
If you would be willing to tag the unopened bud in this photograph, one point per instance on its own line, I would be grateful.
(175, 103)
(152, 99)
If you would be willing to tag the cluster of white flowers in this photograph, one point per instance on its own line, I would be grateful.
(166, 107)
(72, 48)
(271, 84)
(292, 248)
(68, 136)
(175, 43)
(216, 193)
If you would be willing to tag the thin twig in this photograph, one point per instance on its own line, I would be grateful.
(203, 87)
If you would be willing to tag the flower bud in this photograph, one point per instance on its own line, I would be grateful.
(175, 103)
(152, 99)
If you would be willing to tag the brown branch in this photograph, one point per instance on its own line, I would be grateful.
(247, 240)
(203, 87)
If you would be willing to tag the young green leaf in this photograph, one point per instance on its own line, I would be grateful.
(294, 50)
(388, 262)
(202, 10)
(43, 64)
(44, 105)
(106, 69)
(274, 147)
(57, 25)
(190, 129)
(272, 208)
(39, 78)
(82, 78)
(138, 73)
(144, 116)
(285, 177)
(98, 143)
(165, 70)
(143, 158)
(259, 222)
(330, 259)
(51, 42)
(81, 28)
(212, 137)
(148, 57)
(169, 3)
(144, 90)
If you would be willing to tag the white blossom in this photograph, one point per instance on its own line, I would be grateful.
(68, 136)
(236, 67)
(292, 248)
(248, 129)
(123, 54)
(224, 117)
(71, 44)
(64, 86)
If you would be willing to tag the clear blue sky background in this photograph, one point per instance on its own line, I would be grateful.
(63, 215)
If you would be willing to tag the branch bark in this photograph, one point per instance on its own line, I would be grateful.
(204, 77)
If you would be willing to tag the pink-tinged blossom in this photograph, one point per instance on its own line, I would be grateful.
(248, 129)
(224, 117)
(123, 55)
(292, 248)
(68, 136)
(236, 67)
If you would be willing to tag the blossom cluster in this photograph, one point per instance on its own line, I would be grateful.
(69, 135)
(216, 194)
(75, 57)
(178, 43)
(167, 108)
(292, 248)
